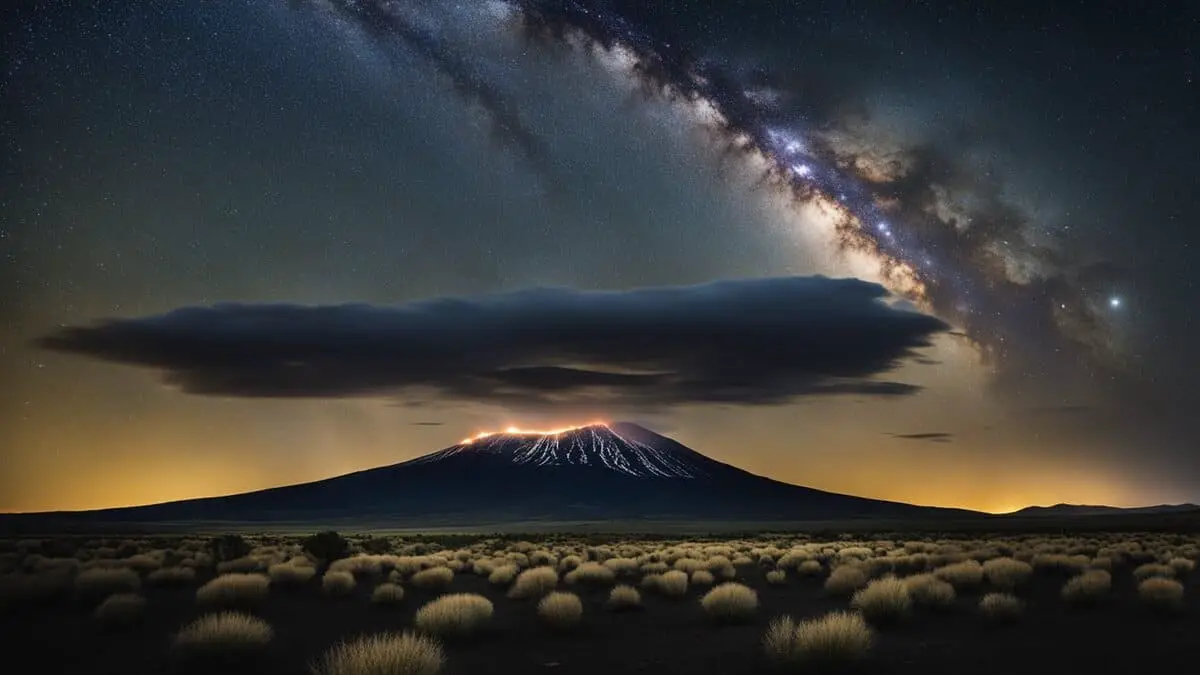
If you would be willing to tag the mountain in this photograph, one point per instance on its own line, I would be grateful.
(1093, 510)
(596, 472)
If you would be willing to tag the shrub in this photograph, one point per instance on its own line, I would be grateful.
(561, 611)
(387, 594)
(1007, 573)
(809, 568)
(95, 584)
(454, 615)
(1161, 594)
(883, 601)
(326, 546)
(534, 583)
(376, 545)
(1182, 566)
(1088, 588)
(230, 590)
(221, 634)
(171, 576)
(338, 583)
(673, 583)
(434, 577)
(961, 574)
(926, 590)
(591, 573)
(1001, 607)
(121, 609)
(228, 547)
(503, 575)
(845, 580)
(290, 575)
(836, 640)
(776, 577)
(624, 597)
(1149, 570)
(702, 578)
(385, 654)
(730, 602)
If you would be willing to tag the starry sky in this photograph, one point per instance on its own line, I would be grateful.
(938, 252)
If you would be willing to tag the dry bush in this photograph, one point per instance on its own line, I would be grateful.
(1058, 562)
(384, 654)
(591, 573)
(776, 577)
(454, 615)
(1182, 566)
(232, 590)
(673, 584)
(338, 583)
(883, 601)
(569, 562)
(120, 609)
(171, 576)
(561, 611)
(702, 578)
(243, 565)
(387, 594)
(730, 602)
(1143, 572)
(835, 641)
(534, 583)
(1088, 588)
(846, 579)
(289, 575)
(655, 568)
(1001, 607)
(1161, 594)
(809, 568)
(624, 597)
(95, 584)
(503, 575)
(434, 577)
(961, 574)
(226, 633)
(144, 562)
(926, 590)
(1007, 573)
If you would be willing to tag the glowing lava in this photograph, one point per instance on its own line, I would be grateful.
(517, 431)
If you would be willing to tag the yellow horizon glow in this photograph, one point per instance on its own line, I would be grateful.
(518, 431)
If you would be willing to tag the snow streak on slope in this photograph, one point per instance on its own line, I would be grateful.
(598, 446)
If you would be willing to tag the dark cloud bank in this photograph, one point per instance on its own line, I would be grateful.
(760, 341)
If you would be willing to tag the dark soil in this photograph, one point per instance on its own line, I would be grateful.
(665, 636)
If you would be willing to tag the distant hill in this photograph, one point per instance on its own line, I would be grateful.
(599, 472)
(1094, 510)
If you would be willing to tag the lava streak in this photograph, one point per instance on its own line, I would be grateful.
(517, 431)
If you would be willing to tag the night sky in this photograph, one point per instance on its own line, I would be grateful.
(932, 252)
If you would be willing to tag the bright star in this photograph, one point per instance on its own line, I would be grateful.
(1114, 302)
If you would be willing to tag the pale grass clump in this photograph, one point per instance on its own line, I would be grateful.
(290, 575)
(591, 573)
(730, 602)
(776, 577)
(883, 601)
(834, 641)
(243, 565)
(1060, 562)
(1161, 594)
(171, 576)
(561, 611)
(120, 609)
(961, 574)
(809, 568)
(229, 590)
(454, 615)
(338, 583)
(383, 654)
(503, 575)
(1182, 566)
(673, 583)
(1088, 588)
(655, 568)
(624, 597)
(434, 577)
(702, 578)
(224, 633)
(95, 584)
(1007, 573)
(534, 583)
(622, 566)
(846, 579)
(569, 562)
(1149, 570)
(926, 590)
(387, 594)
(1001, 607)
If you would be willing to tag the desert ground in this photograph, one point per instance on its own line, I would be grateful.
(365, 604)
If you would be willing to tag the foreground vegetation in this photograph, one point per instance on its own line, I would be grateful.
(436, 604)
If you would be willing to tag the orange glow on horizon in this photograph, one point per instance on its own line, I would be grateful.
(517, 431)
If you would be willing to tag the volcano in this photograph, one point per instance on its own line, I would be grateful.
(596, 472)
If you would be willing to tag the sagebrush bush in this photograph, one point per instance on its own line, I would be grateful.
(338, 583)
(120, 609)
(1182, 566)
(673, 583)
(1087, 588)
(1007, 573)
(290, 575)
(702, 578)
(224, 633)
(503, 575)
(454, 615)
(730, 602)
(926, 590)
(1149, 570)
(961, 574)
(561, 611)
(383, 654)
(809, 568)
(1001, 607)
(883, 601)
(387, 594)
(434, 577)
(834, 641)
(95, 584)
(846, 579)
(776, 577)
(233, 590)
(1161, 594)
(591, 573)
(171, 576)
(534, 583)
(624, 597)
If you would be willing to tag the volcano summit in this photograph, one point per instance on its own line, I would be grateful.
(595, 472)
